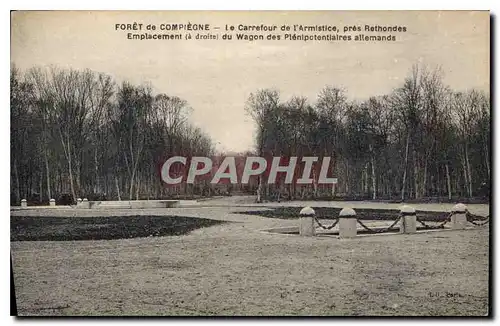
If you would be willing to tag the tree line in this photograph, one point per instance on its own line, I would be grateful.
(82, 134)
(421, 140)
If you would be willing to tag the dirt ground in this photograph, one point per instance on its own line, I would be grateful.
(237, 269)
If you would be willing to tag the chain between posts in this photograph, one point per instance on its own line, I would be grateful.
(326, 227)
(439, 226)
(472, 218)
(379, 230)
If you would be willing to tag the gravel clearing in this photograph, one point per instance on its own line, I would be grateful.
(236, 269)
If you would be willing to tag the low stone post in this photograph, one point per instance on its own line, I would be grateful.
(408, 223)
(24, 203)
(459, 217)
(78, 201)
(306, 227)
(347, 223)
(52, 202)
(85, 203)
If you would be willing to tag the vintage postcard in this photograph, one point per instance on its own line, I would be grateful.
(250, 163)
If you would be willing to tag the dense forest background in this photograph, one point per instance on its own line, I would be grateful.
(80, 133)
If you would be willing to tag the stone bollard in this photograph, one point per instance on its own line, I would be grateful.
(78, 201)
(347, 223)
(459, 217)
(408, 223)
(306, 226)
(85, 203)
(24, 203)
(52, 202)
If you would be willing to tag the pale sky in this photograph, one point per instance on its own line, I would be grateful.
(216, 77)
